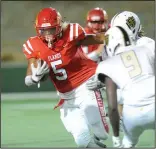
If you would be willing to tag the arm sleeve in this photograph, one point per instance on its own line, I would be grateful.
(76, 32)
(28, 50)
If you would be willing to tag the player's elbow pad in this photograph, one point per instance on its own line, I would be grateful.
(29, 81)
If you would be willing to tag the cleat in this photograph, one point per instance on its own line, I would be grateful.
(97, 141)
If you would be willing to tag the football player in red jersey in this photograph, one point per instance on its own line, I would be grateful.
(96, 22)
(59, 45)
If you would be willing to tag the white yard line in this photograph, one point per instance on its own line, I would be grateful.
(29, 95)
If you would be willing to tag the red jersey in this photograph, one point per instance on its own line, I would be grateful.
(69, 67)
(90, 48)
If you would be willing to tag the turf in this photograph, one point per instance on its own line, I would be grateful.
(34, 123)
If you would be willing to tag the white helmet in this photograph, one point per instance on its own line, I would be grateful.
(116, 38)
(130, 22)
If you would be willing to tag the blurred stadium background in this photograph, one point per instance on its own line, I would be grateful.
(33, 123)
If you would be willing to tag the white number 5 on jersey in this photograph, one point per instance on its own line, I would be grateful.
(58, 71)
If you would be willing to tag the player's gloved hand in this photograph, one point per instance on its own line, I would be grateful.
(116, 142)
(40, 71)
(93, 83)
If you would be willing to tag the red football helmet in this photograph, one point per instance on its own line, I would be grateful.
(97, 20)
(48, 24)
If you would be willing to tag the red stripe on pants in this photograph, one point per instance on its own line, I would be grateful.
(101, 109)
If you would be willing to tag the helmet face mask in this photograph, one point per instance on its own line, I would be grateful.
(98, 26)
(97, 20)
(48, 25)
(48, 34)
(115, 41)
(47, 31)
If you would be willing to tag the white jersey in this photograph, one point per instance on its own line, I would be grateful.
(140, 41)
(145, 40)
(133, 72)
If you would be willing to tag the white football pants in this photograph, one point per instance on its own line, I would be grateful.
(135, 121)
(84, 115)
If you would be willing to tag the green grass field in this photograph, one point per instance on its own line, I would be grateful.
(34, 123)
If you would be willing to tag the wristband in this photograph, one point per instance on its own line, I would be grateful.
(93, 56)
